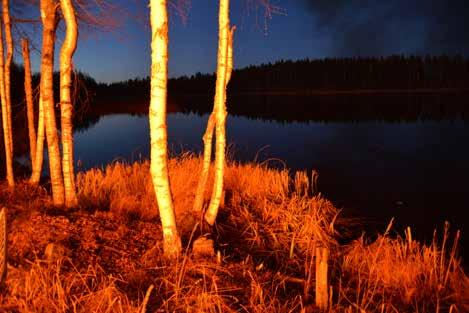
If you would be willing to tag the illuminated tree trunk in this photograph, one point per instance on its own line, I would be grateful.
(158, 135)
(208, 137)
(220, 110)
(200, 192)
(49, 22)
(7, 73)
(39, 158)
(28, 91)
(66, 54)
(5, 118)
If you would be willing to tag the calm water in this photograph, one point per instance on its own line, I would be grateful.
(416, 171)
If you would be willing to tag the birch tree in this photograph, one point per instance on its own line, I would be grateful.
(6, 116)
(8, 61)
(92, 14)
(208, 136)
(28, 91)
(39, 157)
(158, 134)
(68, 49)
(49, 22)
(219, 110)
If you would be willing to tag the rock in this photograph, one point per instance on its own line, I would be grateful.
(203, 247)
(55, 252)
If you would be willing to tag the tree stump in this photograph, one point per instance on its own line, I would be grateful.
(322, 298)
(3, 245)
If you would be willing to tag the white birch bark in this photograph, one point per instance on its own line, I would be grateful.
(49, 24)
(7, 70)
(28, 91)
(5, 117)
(68, 49)
(158, 133)
(220, 111)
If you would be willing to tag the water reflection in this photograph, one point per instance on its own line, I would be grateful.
(285, 109)
(340, 108)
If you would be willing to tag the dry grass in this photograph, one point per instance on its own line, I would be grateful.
(266, 235)
(58, 287)
(393, 274)
(127, 189)
(122, 188)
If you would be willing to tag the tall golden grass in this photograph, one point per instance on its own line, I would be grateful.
(402, 273)
(127, 188)
(266, 234)
(49, 287)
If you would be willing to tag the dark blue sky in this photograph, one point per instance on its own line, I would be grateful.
(193, 44)
(309, 28)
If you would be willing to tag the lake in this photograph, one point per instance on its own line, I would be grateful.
(415, 169)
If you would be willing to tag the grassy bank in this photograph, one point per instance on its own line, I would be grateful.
(106, 255)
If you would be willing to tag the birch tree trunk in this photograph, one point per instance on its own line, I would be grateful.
(7, 73)
(229, 57)
(158, 134)
(39, 158)
(200, 192)
(68, 49)
(28, 91)
(5, 117)
(49, 22)
(220, 110)
(208, 137)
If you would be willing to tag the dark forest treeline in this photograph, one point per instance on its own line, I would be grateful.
(400, 73)
(383, 73)
(302, 76)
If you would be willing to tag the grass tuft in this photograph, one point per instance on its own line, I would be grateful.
(404, 273)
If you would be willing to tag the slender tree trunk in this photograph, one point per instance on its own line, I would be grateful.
(200, 192)
(5, 117)
(158, 135)
(66, 54)
(220, 111)
(208, 137)
(28, 91)
(7, 73)
(39, 158)
(229, 57)
(49, 22)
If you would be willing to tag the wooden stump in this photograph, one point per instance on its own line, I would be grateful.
(322, 255)
(3, 245)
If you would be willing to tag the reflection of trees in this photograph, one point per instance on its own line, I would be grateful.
(85, 123)
(132, 96)
(387, 108)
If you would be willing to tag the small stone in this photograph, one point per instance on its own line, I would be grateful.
(203, 247)
(55, 252)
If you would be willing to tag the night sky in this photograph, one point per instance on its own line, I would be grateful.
(309, 28)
